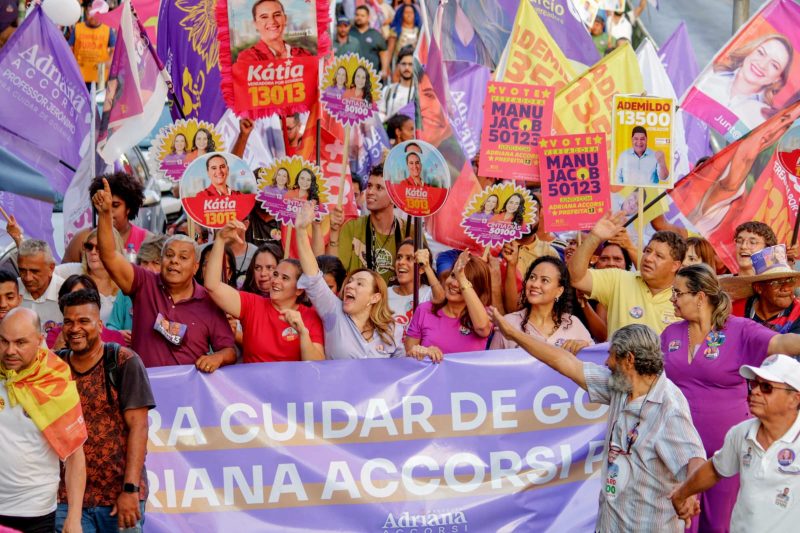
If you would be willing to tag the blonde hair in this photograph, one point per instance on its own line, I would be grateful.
(380, 316)
(118, 245)
(700, 278)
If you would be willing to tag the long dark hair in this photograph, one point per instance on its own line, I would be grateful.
(562, 306)
(477, 273)
(519, 215)
(367, 84)
(230, 258)
(211, 146)
(313, 191)
(271, 248)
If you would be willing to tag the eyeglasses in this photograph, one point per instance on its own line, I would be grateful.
(90, 246)
(677, 294)
(789, 282)
(754, 243)
(766, 388)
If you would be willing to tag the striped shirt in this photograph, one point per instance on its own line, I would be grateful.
(635, 487)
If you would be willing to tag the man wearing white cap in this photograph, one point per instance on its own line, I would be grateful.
(763, 451)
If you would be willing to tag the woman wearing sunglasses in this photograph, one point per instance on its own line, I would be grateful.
(702, 356)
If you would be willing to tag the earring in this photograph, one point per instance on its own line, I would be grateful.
(556, 299)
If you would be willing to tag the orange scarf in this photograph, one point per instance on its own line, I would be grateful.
(49, 396)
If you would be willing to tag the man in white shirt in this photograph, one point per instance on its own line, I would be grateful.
(763, 451)
(397, 95)
(640, 165)
(38, 284)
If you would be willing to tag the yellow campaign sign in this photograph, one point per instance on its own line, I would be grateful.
(584, 106)
(534, 58)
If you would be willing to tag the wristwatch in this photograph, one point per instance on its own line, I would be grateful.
(130, 488)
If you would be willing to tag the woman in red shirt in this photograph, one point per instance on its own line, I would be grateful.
(278, 328)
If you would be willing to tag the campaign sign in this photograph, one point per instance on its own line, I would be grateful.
(641, 133)
(273, 51)
(417, 178)
(350, 90)
(217, 188)
(287, 184)
(178, 144)
(499, 214)
(515, 116)
(575, 190)
(789, 150)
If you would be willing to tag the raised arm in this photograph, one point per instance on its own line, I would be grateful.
(423, 257)
(605, 228)
(245, 129)
(120, 270)
(477, 312)
(788, 343)
(558, 359)
(510, 292)
(225, 296)
(308, 260)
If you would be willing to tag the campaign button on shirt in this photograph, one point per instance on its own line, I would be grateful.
(637, 312)
(674, 346)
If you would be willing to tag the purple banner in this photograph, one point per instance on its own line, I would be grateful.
(677, 56)
(375, 445)
(188, 45)
(468, 83)
(46, 112)
(33, 216)
(371, 142)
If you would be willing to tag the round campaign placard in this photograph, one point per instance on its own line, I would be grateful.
(287, 184)
(789, 150)
(178, 144)
(417, 178)
(217, 188)
(350, 90)
(499, 214)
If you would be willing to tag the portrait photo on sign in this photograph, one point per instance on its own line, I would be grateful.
(754, 76)
(417, 178)
(789, 150)
(217, 188)
(350, 89)
(270, 29)
(287, 184)
(499, 214)
(641, 141)
(178, 144)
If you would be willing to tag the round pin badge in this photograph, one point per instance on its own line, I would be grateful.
(786, 457)
(637, 312)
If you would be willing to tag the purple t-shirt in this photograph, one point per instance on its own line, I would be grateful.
(442, 331)
(200, 326)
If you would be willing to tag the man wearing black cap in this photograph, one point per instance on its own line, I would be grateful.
(343, 44)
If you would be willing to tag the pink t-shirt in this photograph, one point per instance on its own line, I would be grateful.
(571, 329)
(442, 331)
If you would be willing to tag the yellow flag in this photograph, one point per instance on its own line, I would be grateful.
(584, 106)
(533, 57)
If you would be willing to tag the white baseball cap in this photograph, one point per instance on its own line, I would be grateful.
(778, 368)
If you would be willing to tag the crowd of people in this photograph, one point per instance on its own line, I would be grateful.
(701, 378)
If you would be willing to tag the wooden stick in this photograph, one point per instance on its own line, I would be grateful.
(5, 215)
(288, 242)
(345, 162)
(640, 223)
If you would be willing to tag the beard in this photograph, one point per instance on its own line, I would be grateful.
(619, 382)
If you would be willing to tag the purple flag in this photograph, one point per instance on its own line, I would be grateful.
(467, 91)
(677, 56)
(33, 216)
(371, 147)
(45, 117)
(187, 42)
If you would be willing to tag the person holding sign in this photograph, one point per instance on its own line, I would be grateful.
(218, 171)
(269, 19)
(640, 165)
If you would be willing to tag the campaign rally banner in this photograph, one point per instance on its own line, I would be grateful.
(754, 76)
(180, 143)
(745, 181)
(417, 178)
(532, 56)
(574, 172)
(286, 185)
(641, 141)
(350, 90)
(499, 214)
(515, 116)
(217, 188)
(268, 56)
(389, 445)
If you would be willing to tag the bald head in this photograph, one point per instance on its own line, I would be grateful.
(20, 338)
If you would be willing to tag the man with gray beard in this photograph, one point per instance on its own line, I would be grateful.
(652, 445)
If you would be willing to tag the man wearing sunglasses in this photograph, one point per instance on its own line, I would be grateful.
(768, 296)
(763, 451)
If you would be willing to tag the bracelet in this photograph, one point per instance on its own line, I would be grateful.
(333, 243)
(466, 285)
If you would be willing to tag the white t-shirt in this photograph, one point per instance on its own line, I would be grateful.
(29, 475)
(46, 306)
(403, 306)
(769, 480)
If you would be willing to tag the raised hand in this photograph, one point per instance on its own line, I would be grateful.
(337, 218)
(230, 233)
(423, 257)
(102, 199)
(246, 126)
(510, 252)
(305, 216)
(609, 225)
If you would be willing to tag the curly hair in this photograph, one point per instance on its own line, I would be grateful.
(519, 215)
(123, 185)
(367, 84)
(758, 228)
(643, 343)
(211, 146)
(676, 243)
(562, 305)
(313, 191)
